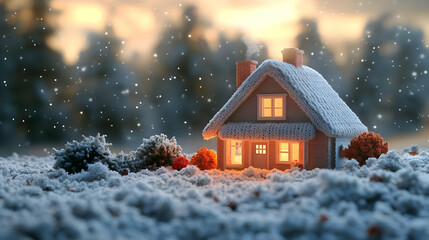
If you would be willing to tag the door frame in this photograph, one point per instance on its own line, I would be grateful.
(267, 155)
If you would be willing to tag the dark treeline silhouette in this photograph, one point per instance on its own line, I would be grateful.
(386, 85)
(186, 81)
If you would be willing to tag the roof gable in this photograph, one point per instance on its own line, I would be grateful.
(307, 88)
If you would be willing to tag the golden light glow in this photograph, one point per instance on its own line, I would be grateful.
(272, 106)
(289, 151)
(274, 23)
(235, 157)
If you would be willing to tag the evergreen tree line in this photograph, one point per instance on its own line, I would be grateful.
(187, 80)
(385, 77)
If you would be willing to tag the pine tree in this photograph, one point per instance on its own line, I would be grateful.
(319, 57)
(390, 90)
(104, 98)
(37, 79)
(9, 40)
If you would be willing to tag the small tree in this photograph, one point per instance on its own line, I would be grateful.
(364, 146)
(77, 155)
(158, 151)
(204, 159)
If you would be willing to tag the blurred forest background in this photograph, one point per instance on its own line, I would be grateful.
(46, 101)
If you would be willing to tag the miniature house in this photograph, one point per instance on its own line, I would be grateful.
(282, 113)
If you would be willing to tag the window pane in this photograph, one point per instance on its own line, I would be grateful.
(295, 152)
(264, 146)
(235, 153)
(278, 112)
(284, 147)
(266, 103)
(278, 102)
(284, 157)
(267, 112)
(264, 151)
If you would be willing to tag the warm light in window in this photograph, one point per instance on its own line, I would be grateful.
(272, 106)
(235, 156)
(261, 149)
(289, 151)
(284, 152)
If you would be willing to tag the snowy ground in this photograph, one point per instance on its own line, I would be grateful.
(389, 199)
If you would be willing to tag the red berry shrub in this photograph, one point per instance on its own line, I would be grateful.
(204, 159)
(364, 146)
(179, 163)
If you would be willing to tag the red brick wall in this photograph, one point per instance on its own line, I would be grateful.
(293, 56)
(244, 69)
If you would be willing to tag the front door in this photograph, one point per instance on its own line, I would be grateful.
(260, 155)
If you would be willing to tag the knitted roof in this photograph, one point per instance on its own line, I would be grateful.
(267, 131)
(307, 88)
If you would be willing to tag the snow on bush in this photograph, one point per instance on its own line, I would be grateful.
(386, 199)
(204, 159)
(364, 146)
(77, 155)
(157, 151)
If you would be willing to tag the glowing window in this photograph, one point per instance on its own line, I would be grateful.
(288, 152)
(272, 107)
(235, 153)
(261, 149)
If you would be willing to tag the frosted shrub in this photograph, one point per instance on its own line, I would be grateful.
(364, 146)
(124, 162)
(157, 151)
(77, 155)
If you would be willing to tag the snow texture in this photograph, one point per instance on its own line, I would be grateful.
(267, 131)
(326, 110)
(387, 199)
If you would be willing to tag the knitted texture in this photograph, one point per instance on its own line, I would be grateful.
(327, 111)
(267, 131)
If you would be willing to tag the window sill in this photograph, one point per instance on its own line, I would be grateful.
(284, 163)
(271, 118)
(234, 165)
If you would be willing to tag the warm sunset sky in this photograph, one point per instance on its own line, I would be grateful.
(273, 22)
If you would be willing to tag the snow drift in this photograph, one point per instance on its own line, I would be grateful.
(388, 199)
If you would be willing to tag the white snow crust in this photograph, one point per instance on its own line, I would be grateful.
(387, 199)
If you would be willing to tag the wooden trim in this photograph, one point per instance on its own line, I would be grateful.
(331, 153)
(220, 146)
(259, 112)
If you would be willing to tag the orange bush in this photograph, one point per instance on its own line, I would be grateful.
(204, 159)
(364, 146)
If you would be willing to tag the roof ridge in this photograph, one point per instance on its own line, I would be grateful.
(327, 111)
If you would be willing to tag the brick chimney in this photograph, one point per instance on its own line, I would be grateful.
(244, 69)
(293, 56)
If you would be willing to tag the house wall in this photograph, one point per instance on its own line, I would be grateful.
(220, 154)
(340, 144)
(248, 111)
(318, 151)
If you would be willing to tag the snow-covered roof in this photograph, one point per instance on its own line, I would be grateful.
(267, 131)
(327, 111)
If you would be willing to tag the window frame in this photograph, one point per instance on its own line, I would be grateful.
(228, 146)
(290, 152)
(261, 149)
(272, 96)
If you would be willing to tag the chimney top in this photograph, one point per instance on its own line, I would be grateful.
(293, 56)
(244, 69)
